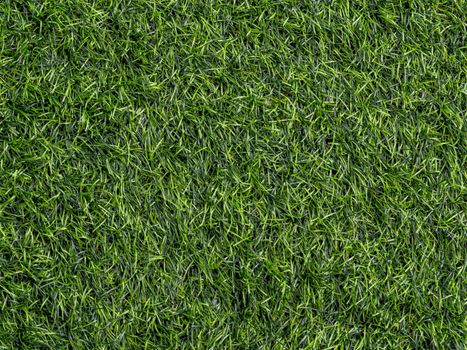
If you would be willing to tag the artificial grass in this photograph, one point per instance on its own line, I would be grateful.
(269, 174)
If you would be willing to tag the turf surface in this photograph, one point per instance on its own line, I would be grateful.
(268, 174)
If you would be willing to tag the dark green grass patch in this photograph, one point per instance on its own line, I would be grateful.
(233, 174)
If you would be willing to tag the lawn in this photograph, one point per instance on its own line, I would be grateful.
(256, 174)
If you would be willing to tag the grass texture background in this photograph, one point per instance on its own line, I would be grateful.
(268, 174)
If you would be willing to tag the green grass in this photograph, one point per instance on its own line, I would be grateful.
(268, 174)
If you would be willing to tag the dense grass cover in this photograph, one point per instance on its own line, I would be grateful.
(268, 174)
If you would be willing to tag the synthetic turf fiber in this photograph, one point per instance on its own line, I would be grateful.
(256, 174)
